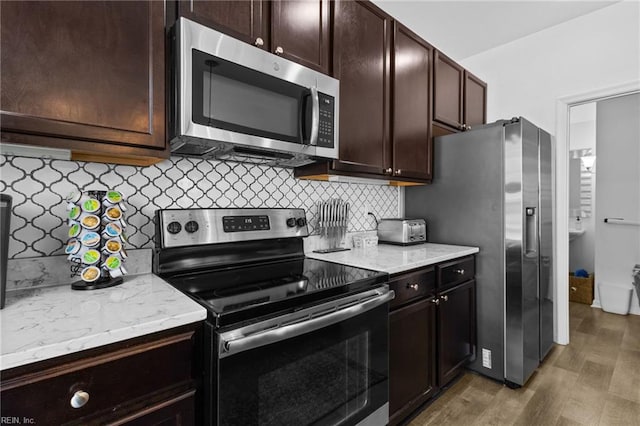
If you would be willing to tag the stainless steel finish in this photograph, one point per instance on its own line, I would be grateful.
(300, 322)
(377, 418)
(279, 50)
(415, 287)
(487, 177)
(191, 35)
(315, 117)
(259, 41)
(211, 230)
(402, 231)
(333, 221)
(546, 242)
(5, 230)
(79, 399)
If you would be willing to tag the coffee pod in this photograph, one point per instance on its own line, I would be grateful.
(73, 197)
(112, 230)
(90, 221)
(90, 239)
(113, 264)
(91, 205)
(91, 257)
(74, 212)
(114, 198)
(73, 247)
(113, 213)
(112, 246)
(90, 274)
(74, 230)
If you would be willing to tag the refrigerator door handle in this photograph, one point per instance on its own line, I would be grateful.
(531, 232)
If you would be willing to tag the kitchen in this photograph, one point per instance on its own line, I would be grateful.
(181, 182)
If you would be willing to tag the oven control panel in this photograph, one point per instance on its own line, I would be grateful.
(188, 227)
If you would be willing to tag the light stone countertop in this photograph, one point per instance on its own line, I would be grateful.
(396, 259)
(43, 323)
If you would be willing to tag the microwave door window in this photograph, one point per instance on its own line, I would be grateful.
(231, 97)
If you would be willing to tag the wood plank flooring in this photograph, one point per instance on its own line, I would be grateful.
(595, 380)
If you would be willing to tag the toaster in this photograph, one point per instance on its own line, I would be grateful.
(402, 231)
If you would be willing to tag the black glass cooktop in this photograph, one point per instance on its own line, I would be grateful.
(247, 292)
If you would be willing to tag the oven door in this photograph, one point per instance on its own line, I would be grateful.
(326, 365)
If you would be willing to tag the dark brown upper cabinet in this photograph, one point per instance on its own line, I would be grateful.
(460, 98)
(86, 76)
(361, 58)
(411, 134)
(296, 30)
(475, 100)
(385, 98)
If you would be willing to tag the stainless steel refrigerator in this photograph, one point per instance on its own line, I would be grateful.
(493, 189)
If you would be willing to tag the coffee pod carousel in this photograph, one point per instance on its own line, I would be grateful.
(96, 239)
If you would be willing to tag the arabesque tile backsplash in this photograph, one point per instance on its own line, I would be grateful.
(39, 187)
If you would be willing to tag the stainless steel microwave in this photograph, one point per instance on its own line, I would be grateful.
(237, 102)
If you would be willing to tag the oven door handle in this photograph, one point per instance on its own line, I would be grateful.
(287, 329)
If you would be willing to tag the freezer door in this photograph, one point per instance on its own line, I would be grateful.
(546, 244)
(522, 250)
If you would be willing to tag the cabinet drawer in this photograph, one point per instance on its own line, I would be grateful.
(456, 272)
(413, 285)
(115, 382)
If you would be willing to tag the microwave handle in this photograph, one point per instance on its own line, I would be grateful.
(315, 116)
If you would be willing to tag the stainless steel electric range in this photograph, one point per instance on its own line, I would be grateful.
(288, 340)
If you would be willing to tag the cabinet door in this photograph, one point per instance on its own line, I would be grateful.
(412, 144)
(411, 357)
(300, 32)
(361, 63)
(456, 330)
(246, 20)
(475, 100)
(77, 73)
(448, 81)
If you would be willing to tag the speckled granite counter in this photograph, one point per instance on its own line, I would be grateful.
(396, 259)
(39, 324)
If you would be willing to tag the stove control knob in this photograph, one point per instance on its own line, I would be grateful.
(174, 227)
(291, 222)
(301, 221)
(191, 226)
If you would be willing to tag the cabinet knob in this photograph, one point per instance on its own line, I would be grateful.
(259, 42)
(459, 271)
(468, 127)
(574, 289)
(388, 171)
(413, 286)
(436, 301)
(445, 298)
(79, 399)
(399, 172)
(279, 50)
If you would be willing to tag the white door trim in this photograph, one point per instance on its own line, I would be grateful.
(561, 223)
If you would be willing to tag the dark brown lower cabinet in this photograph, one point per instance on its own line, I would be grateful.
(432, 327)
(412, 352)
(456, 330)
(143, 381)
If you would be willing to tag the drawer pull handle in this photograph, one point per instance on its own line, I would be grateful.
(436, 301)
(413, 286)
(459, 271)
(445, 298)
(79, 399)
(574, 289)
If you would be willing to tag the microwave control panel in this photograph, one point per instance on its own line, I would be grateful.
(326, 126)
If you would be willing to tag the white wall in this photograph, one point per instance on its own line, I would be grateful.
(582, 135)
(526, 76)
(617, 247)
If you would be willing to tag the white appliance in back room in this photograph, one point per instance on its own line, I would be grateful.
(492, 189)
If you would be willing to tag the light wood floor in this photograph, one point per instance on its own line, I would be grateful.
(595, 380)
